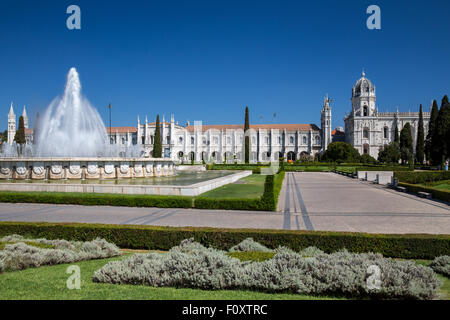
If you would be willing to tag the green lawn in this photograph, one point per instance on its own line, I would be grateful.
(440, 185)
(249, 187)
(49, 282)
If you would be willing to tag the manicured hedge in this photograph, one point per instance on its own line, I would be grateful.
(422, 177)
(320, 168)
(417, 246)
(437, 194)
(267, 202)
(97, 199)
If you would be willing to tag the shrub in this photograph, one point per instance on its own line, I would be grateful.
(409, 246)
(192, 265)
(97, 199)
(443, 195)
(248, 245)
(20, 255)
(422, 177)
(254, 256)
(441, 265)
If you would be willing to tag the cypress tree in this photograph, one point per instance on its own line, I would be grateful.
(406, 145)
(429, 142)
(396, 135)
(157, 147)
(19, 138)
(247, 138)
(420, 145)
(442, 132)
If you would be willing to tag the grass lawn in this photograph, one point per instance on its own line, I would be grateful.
(49, 282)
(249, 187)
(440, 185)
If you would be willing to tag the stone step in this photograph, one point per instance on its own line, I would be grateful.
(426, 195)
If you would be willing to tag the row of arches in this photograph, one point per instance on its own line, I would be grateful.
(229, 157)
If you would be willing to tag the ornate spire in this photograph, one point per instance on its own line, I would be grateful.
(363, 73)
(24, 113)
(11, 111)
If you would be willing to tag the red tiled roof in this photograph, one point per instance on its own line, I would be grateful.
(121, 129)
(290, 127)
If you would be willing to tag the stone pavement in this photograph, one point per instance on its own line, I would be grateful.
(308, 201)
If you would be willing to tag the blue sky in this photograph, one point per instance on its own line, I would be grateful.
(207, 60)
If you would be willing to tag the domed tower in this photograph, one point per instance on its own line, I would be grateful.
(363, 97)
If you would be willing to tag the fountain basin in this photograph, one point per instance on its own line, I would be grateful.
(77, 168)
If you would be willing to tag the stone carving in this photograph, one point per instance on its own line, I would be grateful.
(21, 170)
(38, 170)
(138, 168)
(92, 168)
(56, 169)
(149, 168)
(5, 170)
(74, 169)
(124, 167)
(109, 168)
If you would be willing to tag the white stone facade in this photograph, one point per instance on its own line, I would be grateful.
(224, 143)
(367, 130)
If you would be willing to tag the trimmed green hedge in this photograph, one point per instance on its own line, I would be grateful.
(417, 246)
(97, 199)
(254, 256)
(437, 194)
(267, 202)
(422, 177)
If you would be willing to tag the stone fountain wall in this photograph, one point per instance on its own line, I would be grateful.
(84, 168)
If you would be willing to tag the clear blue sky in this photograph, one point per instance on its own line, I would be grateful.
(207, 60)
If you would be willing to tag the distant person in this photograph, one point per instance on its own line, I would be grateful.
(446, 165)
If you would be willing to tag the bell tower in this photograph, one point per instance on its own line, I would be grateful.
(11, 125)
(325, 117)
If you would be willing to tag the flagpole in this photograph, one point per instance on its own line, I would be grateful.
(110, 129)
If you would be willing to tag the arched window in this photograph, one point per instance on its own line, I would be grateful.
(317, 139)
(180, 140)
(291, 140)
(204, 141)
(192, 156)
(192, 140)
(386, 132)
(366, 133)
(366, 111)
(291, 156)
(180, 154)
(366, 148)
(304, 140)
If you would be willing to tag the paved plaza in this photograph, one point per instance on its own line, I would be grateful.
(308, 201)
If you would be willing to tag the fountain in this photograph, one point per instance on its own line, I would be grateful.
(71, 142)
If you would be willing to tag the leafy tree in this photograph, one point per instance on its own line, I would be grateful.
(4, 136)
(406, 144)
(368, 159)
(442, 133)
(157, 146)
(430, 143)
(341, 152)
(420, 145)
(389, 153)
(247, 138)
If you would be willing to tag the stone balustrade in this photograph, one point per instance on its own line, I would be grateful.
(84, 168)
